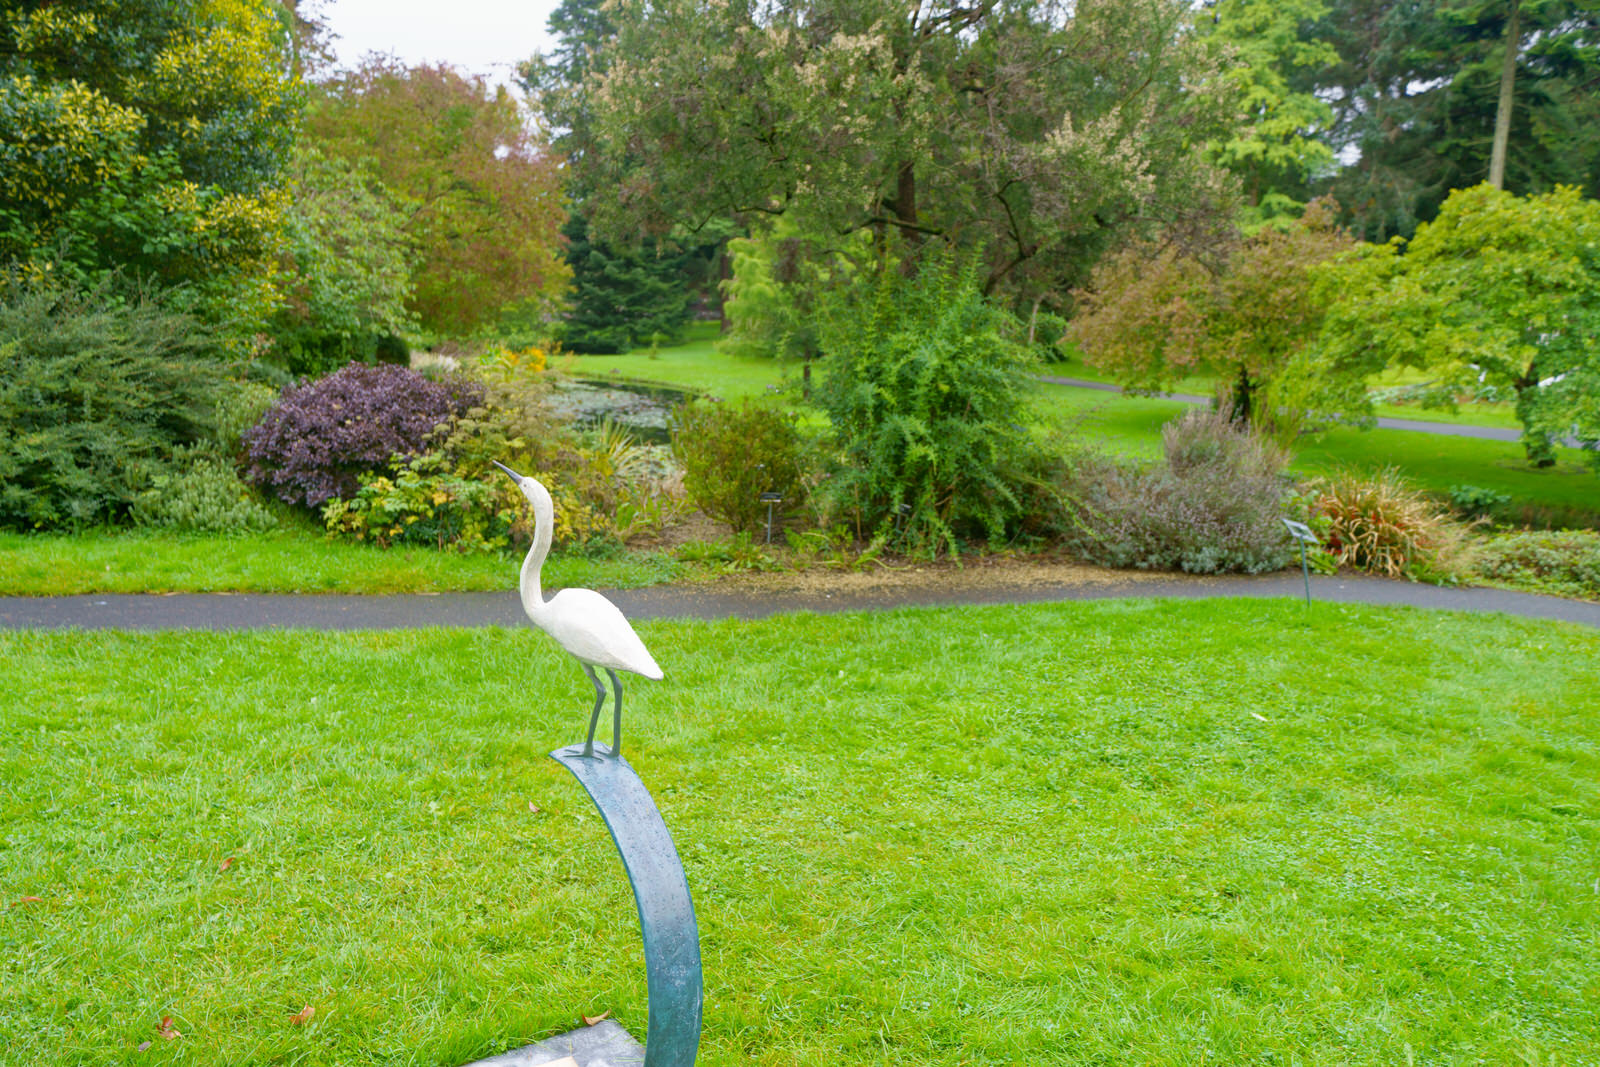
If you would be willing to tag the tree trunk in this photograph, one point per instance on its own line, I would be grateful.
(1536, 444)
(904, 208)
(1502, 115)
(1243, 397)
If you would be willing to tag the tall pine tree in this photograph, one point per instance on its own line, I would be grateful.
(1416, 92)
(620, 296)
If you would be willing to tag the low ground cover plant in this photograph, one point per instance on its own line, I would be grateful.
(201, 493)
(1556, 561)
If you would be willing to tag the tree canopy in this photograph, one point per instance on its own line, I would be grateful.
(1155, 315)
(149, 135)
(1416, 92)
(1499, 290)
(1036, 131)
(483, 196)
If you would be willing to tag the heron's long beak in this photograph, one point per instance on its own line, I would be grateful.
(514, 475)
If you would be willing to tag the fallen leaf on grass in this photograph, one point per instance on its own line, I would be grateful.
(303, 1016)
(28, 900)
(144, 1046)
(229, 862)
(590, 1020)
(166, 1031)
(532, 807)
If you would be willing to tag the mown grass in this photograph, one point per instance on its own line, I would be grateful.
(695, 364)
(1568, 493)
(296, 560)
(1470, 414)
(1105, 833)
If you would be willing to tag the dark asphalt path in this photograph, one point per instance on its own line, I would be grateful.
(1487, 433)
(206, 611)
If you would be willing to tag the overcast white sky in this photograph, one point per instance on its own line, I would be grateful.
(480, 36)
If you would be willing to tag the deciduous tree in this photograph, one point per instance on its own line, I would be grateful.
(1154, 315)
(483, 195)
(347, 265)
(151, 137)
(1499, 290)
(1038, 131)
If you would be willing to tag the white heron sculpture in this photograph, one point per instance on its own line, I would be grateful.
(582, 621)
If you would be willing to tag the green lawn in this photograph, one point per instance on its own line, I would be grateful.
(298, 560)
(695, 365)
(1501, 415)
(1115, 833)
(1566, 493)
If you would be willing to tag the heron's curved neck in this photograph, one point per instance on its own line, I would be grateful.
(544, 521)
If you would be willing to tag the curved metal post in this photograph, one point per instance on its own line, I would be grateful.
(666, 914)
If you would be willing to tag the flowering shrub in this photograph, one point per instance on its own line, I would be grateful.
(316, 442)
(1212, 507)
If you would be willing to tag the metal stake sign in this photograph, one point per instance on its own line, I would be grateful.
(1302, 533)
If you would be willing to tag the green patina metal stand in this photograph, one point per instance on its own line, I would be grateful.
(666, 914)
(1303, 535)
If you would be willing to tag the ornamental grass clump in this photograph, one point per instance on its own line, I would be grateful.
(1380, 524)
(317, 441)
(1211, 506)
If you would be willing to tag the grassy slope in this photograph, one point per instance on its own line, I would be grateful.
(978, 836)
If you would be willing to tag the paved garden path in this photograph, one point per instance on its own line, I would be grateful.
(741, 599)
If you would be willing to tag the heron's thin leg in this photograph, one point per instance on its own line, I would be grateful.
(616, 721)
(599, 702)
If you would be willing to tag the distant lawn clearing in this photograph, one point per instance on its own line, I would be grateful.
(1568, 492)
(1114, 832)
(695, 364)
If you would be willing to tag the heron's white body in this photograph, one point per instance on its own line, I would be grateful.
(591, 627)
(583, 622)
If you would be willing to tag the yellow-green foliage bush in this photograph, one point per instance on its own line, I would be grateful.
(733, 454)
(425, 503)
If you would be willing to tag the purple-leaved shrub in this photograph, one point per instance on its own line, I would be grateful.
(316, 441)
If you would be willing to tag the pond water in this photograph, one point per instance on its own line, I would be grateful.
(642, 409)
